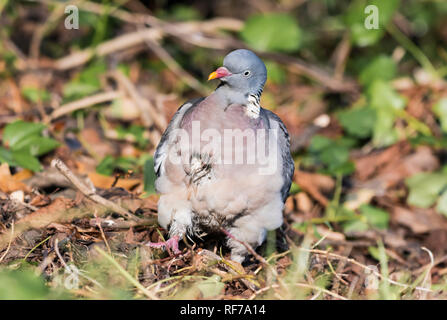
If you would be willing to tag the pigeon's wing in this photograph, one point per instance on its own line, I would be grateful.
(162, 149)
(288, 166)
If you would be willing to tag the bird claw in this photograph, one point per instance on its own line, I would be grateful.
(172, 243)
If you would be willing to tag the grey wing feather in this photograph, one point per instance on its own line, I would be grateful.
(162, 149)
(284, 145)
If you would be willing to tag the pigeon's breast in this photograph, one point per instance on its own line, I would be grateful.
(212, 114)
(224, 132)
(237, 182)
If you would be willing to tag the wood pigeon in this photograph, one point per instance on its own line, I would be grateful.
(224, 162)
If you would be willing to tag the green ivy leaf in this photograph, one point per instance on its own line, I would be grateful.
(91, 73)
(374, 252)
(355, 19)
(369, 216)
(18, 130)
(272, 32)
(25, 160)
(425, 188)
(363, 37)
(87, 82)
(276, 72)
(358, 122)
(334, 154)
(384, 133)
(386, 102)
(441, 207)
(319, 143)
(185, 13)
(355, 226)
(77, 89)
(381, 68)
(25, 143)
(376, 217)
(383, 96)
(149, 176)
(6, 156)
(35, 145)
(344, 168)
(35, 95)
(440, 109)
(106, 166)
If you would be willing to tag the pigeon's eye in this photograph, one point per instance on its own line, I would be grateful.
(247, 73)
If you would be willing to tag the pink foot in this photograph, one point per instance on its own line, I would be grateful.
(172, 243)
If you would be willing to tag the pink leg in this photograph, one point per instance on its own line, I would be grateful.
(172, 243)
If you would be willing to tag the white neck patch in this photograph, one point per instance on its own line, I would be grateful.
(253, 107)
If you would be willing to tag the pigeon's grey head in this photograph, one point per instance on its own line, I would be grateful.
(242, 71)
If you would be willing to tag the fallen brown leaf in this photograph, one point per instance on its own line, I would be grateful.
(39, 219)
(8, 183)
(421, 160)
(106, 182)
(368, 165)
(312, 183)
(419, 220)
(23, 175)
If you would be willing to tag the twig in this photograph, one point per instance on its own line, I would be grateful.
(56, 249)
(85, 103)
(341, 55)
(336, 283)
(193, 33)
(107, 47)
(128, 137)
(9, 243)
(26, 205)
(415, 51)
(148, 112)
(435, 263)
(339, 269)
(73, 270)
(40, 31)
(90, 192)
(275, 256)
(175, 67)
(427, 278)
(98, 224)
(303, 285)
(315, 296)
(352, 287)
(184, 28)
(313, 72)
(11, 46)
(262, 290)
(212, 255)
(121, 224)
(339, 257)
(35, 247)
(181, 278)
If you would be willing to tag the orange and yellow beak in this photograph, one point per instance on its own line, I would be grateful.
(219, 73)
